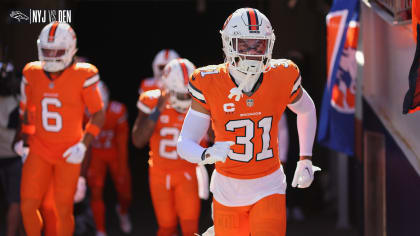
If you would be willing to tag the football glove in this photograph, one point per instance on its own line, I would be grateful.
(304, 174)
(217, 152)
(80, 190)
(21, 150)
(75, 153)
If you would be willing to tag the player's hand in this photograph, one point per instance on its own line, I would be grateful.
(304, 174)
(21, 150)
(75, 153)
(80, 190)
(217, 152)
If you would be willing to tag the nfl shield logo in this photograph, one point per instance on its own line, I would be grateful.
(250, 102)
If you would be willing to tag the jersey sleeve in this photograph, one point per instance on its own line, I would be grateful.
(292, 73)
(295, 90)
(25, 86)
(91, 95)
(26, 102)
(148, 101)
(195, 88)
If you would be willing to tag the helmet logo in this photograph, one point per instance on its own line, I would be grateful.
(184, 71)
(253, 22)
(51, 33)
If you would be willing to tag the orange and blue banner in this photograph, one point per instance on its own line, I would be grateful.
(336, 124)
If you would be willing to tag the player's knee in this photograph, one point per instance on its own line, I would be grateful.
(167, 231)
(29, 206)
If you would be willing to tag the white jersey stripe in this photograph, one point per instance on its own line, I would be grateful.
(91, 80)
(196, 93)
(296, 85)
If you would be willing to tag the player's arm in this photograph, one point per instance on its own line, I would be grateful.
(145, 123)
(195, 127)
(26, 126)
(306, 121)
(93, 101)
(196, 124)
(96, 120)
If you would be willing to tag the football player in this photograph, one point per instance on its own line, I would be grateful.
(109, 150)
(162, 58)
(55, 93)
(173, 182)
(244, 99)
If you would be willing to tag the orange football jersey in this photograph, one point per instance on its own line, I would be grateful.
(112, 141)
(59, 105)
(149, 84)
(163, 154)
(250, 122)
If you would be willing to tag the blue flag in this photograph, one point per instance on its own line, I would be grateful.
(336, 124)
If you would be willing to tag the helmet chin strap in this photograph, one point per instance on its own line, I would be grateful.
(245, 82)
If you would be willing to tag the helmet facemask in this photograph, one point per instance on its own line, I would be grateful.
(180, 101)
(248, 55)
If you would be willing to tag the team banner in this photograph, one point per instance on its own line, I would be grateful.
(336, 124)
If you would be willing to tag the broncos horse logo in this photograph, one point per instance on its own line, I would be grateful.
(18, 15)
(344, 86)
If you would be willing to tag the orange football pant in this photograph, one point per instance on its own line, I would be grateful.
(96, 178)
(175, 194)
(267, 217)
(37, 175)
(49, 213)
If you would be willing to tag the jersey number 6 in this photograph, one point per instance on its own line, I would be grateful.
(51, 115)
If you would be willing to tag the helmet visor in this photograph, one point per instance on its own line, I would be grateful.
(52, 52)
(252, 46)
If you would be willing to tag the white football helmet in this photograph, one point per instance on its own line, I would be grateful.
(248, 41)
(103, 89)
(175, 80)
(162, 58)
(56, 46)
